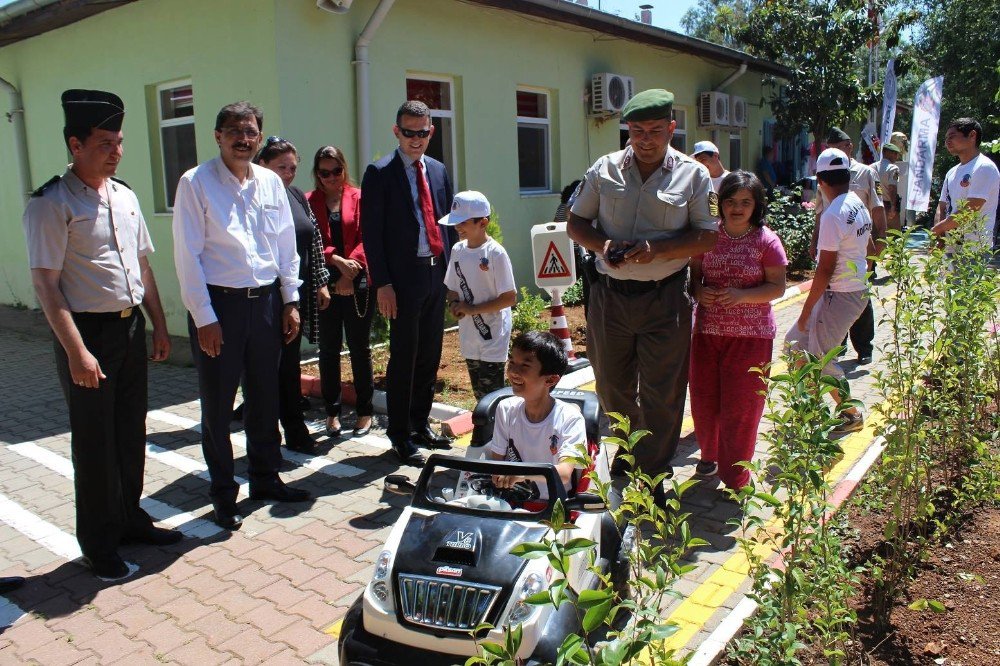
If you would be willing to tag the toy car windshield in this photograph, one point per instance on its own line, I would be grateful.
(451, 484)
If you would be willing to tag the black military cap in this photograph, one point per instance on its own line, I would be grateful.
(94, 109)
(836, 135)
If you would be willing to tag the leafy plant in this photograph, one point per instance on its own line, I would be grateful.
(793, 222)
(527, 315)
(574, 295)
(626, 614)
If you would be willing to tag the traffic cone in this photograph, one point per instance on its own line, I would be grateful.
(559, 327)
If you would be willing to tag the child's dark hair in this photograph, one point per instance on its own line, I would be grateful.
(546, 348)
(744, 180)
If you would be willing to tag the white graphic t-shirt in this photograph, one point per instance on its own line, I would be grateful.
(976, 179)
(844, 228)
(479, 275)
(560, 435)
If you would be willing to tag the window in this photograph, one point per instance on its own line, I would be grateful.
(680, 138)
(436, 93)
(175, 103)
(735, 152)
(533, 141)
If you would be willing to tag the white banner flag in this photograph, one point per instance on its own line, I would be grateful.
(888, 103)
(923, 142)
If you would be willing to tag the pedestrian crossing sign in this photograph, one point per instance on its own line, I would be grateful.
(553, 265)
(552, 251)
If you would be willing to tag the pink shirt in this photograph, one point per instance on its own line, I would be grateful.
(740, 263)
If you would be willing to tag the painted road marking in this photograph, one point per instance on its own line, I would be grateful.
(38, 530)
(189, 466)
(185, 521)
(9, 613)
(334, 629)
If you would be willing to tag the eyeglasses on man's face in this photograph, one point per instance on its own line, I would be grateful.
(240, 132)
(409, 133)
(327, 173)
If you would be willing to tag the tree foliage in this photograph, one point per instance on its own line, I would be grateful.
(823, 43)
(718, 21)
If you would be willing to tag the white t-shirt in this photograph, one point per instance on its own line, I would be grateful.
(844, 228)
(479, 275)
(976, 179)
(717, 182)
(557, 437)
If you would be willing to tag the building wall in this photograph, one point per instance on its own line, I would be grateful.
(295, 61)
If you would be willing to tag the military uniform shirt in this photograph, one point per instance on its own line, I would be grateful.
(95, 244)
(864, 183)
(671, 202)
(888, 174)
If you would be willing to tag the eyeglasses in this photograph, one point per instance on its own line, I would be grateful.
(238, 132)
(326, 173)
(409, 134)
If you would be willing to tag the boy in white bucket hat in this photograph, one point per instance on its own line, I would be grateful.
(481, 292)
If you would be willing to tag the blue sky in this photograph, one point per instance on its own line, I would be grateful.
(662, 16)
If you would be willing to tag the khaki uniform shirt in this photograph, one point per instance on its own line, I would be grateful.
(888, 174)
(671, 202)
(96, 245)
(864, 183)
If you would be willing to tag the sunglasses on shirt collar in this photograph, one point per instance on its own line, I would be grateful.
(409, 134)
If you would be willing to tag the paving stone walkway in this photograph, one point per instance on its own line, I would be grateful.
(273, 591)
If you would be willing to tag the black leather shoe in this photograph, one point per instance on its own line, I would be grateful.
(408, 454)
(279, 492)
(864, 359)
(228, 517)
(152, 535)
(302, 444)
(108, 567)
(10, 583)
(429, 439)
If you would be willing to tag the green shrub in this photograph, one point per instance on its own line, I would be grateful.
(793, 222)
(528, 313)
(574, 295)
(493, 228)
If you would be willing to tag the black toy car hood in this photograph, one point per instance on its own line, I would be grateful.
(465, 548)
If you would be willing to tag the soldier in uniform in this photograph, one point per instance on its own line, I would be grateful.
(864, 183)
(87, 247)
(654, 210)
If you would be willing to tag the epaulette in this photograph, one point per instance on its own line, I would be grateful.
(119, 180)
(41, 190)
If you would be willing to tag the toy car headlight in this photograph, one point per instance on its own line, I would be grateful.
(380, 587)
(533, 584)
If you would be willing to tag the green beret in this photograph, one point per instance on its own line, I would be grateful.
(652, 104)
(836, 135)
(891, 146)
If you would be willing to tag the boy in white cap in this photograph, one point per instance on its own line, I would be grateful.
(839, 293)
(706, 153)
(481, 292)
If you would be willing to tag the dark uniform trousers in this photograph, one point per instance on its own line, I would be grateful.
(108, 431)
(415, 338)
(251, 349)
(639, 347)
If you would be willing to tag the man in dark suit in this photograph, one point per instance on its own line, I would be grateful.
(402, 197)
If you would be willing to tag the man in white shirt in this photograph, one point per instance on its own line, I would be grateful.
(706, 153)
(234, 249)
(974, 180)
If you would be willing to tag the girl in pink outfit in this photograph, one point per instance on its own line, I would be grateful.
(734, 329)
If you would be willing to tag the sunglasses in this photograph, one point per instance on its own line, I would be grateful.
(326, 173)
(273, 139)
(409, 134)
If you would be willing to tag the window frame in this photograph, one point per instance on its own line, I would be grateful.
(162, 124)
(679, 131)
(737, 136)
(538, 123)
(442, 113)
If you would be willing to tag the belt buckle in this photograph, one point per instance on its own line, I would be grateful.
(253, 292)
(126, 313)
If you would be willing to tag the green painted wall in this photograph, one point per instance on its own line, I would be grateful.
(295, 61)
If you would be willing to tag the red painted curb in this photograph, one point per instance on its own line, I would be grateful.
(313, 388)
(458, 425)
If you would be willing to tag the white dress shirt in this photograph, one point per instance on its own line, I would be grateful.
(232, 234)
(410, 167)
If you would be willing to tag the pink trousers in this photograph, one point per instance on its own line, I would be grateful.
(727, 400)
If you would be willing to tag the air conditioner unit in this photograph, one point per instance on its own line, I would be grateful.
(610, 92)
(713, 109)
(738, 111)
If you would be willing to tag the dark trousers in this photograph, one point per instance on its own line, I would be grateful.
(415, 337)
(338, 321)
(290, 391)
(639, 348)
(251, 349)
(108, 432)
(862, 332)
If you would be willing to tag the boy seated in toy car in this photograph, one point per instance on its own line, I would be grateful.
(533, 426)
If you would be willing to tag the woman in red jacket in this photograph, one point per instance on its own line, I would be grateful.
(335, 203)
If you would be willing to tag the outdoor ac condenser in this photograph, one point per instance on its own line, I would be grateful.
(738, 111)
(713, 109)
(610, 92)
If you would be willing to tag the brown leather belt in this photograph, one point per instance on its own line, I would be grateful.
(119, 314)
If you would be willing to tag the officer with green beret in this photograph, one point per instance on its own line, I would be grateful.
(644, 212)
(87, 249)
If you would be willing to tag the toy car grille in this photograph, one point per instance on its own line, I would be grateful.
(443, 603)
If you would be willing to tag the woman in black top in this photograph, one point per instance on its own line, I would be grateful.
(281, 157)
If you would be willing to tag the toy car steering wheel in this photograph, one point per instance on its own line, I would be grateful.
(520, 492)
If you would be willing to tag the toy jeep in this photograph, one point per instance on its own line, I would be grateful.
(447, 568)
